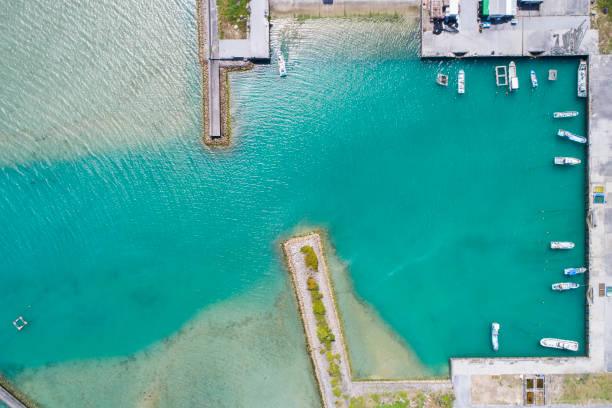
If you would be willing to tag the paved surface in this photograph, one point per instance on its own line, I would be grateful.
(257, 44)
(463, 390)
(600, 152)
(214, 97)
(560, 27)
(8, 399)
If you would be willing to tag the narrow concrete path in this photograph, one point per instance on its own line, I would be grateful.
(8, 399)
(214, 97)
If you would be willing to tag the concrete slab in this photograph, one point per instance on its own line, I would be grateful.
(8, 399)
(257, 44)
(214, 99)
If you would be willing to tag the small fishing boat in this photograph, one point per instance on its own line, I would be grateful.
(566, 161)
(513, 83)
(461, 82)
(561, 245)
(534, 79)
(571, 136)
(552, 74)
(561, 286)
(442, 79)
(574, 271)
(559, 344)
(566, 114)
(494, 335)
(282, 69)
(582, 79)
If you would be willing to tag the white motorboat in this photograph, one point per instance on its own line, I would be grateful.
(582, 79)
(567, 161)
(442, 79)
(560, 344)
(282, 69)
(561, 286)
(513, 83)
(495, 335)
(534, 79)
(566, 114)
(571, 136)
(561, 245)
(574, 271)
(461, 82)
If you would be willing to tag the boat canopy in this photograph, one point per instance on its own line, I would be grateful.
(453, 8)
(498, 8)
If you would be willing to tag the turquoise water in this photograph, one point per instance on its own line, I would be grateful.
(143, 260)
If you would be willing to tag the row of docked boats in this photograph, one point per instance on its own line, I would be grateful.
(545, 342)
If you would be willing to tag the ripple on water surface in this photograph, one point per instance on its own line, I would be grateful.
(120, 229)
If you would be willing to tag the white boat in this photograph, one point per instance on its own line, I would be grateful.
(582, 79)
(552, 74)
(561, 286)
(494, 335)
(561, 245)
(513, 83)
(560, 344)
(534, 79)
(574, 271)
(567, 114)
(282, 69)
(566, 161)
(442, 79)
(461, 82)
(571, 136)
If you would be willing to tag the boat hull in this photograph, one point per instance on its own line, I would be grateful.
(574, 271)
(559, 344)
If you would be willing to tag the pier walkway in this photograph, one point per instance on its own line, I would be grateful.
(218, 53)
(8, 399)
(347, 385)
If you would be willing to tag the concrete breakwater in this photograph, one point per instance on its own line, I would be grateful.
(344, 7)
(331, 362)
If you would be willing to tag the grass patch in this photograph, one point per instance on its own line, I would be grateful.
(603, 23)
(310, 258)
(232, 13)
(587, 389)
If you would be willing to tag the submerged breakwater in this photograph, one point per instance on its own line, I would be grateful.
(132, 250)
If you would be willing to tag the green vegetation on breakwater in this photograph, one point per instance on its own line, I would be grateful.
(312, 262)
(403, 400)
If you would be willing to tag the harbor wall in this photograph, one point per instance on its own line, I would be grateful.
(344, 7)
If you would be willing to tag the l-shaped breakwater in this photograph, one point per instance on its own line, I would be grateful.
(307, 263)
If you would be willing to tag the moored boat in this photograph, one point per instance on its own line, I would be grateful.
(559, 344)
(495, 335)
(566, 114)
(561, 286)
(582, 79)
(571, 136)
(561, 245)
(574, 271)
(461, 82)
(566, 161)
(282, 69)
(513, 83)
(534, 79)
(442, 79)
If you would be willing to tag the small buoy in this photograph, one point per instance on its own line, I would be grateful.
(235, 27)
(19, 323)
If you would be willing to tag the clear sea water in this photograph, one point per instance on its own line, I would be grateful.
(149, 267)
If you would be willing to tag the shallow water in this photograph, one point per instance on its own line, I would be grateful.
(120, 228)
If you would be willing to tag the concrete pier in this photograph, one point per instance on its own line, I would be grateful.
(9, 400)
(348, 386)
(558, 27)
(229, 54)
